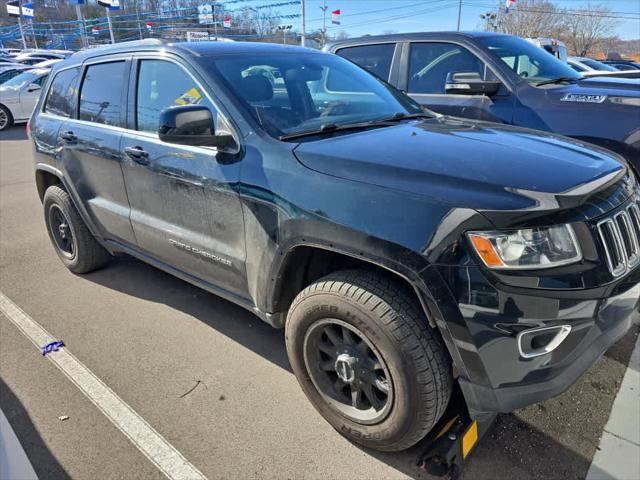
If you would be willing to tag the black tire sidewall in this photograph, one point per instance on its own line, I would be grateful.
(9, 118)
(403, 413)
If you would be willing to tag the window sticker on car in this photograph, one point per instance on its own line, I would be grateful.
(190, 97)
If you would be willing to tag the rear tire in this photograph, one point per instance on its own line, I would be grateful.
(403, 396)
(71, 239)
(6, 119)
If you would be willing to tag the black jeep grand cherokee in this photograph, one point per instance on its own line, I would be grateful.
(402, 252)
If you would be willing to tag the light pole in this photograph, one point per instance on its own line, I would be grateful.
(110, 26)
(303, 35)
(459, 13)
(489, 18)
(324, 21)
(284, 29)
(81, 26)
(24, 41)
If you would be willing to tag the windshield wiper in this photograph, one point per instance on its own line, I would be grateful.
(557, 80)
(334, 127)
(403, 116)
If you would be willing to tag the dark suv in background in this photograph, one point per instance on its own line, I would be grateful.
(402, 252)
(505, 79)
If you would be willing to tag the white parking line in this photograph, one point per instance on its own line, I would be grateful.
(160, 452)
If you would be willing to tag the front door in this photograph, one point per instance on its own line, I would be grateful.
(185, 211)
(429, 65)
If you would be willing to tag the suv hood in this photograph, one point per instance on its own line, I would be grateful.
(619, 87)
(481, 165)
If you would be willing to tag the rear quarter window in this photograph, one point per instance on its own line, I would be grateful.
(101, 93)
(62, 95)
(374, 58)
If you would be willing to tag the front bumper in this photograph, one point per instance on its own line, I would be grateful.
(495, 377)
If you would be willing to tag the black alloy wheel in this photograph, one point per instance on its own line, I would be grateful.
(348, 371)
(61, 232)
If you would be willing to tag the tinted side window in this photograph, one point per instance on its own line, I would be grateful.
(61, 98)
(430, 63)
(100, 96)
(162, 84)
(375, 58)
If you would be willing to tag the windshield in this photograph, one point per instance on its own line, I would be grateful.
(301, 92)
(21, 80)
(533, 64)
(597, 65)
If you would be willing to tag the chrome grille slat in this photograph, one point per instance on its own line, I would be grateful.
(620, 237)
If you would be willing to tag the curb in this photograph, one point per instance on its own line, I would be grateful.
(618, 456)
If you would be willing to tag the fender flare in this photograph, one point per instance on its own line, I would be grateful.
(430, 297)
(44, 167)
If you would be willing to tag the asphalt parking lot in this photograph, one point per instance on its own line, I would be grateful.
(211, 378)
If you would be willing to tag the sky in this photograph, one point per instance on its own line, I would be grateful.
(361, 17)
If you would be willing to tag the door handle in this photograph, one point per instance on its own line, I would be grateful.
(138, 155)
(69, 137)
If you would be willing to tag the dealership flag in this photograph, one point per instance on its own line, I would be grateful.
(226, 22)
(95, 30)
(110, 4)
(335, 17)
(27, 10)
(149, 25)
(13, 8)
(508, 4)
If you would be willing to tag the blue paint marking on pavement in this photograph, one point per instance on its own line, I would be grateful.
(52, 347)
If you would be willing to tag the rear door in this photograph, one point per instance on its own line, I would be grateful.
(184, 209)
(425, 73)
(59, 104)
(91, 147)
(29, 95)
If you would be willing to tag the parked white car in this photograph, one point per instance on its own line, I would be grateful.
(47, 63)
(10, 70)
(588, 67)
(18, 96)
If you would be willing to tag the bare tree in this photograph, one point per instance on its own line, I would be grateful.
(531, 19)
(586, 30)
(341, 35)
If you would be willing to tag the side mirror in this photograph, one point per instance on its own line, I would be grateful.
(470, 83)
(191, 125)
(33, 87)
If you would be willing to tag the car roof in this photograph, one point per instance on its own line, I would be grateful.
(398, 37)
(40, 71)
(15, 66)
(198, 49)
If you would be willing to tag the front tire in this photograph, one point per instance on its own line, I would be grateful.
(6, 119)
(367, 360)
(71, 239)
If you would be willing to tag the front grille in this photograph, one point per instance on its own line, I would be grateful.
(620, 236)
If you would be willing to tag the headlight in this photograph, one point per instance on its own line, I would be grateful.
(530, 248)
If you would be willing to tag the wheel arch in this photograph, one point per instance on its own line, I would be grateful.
(48, 175)
(303, 263)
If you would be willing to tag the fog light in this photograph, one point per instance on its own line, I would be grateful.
(540, 341)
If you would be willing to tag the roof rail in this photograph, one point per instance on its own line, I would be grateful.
(116, 47)
(145, 41)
